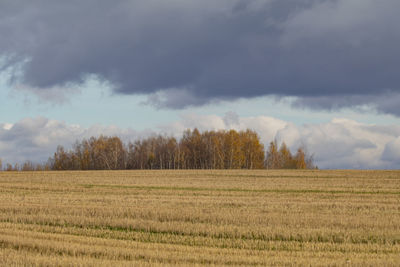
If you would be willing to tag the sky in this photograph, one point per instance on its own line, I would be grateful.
(324, 74)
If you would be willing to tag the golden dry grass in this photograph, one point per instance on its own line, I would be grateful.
(151, 218)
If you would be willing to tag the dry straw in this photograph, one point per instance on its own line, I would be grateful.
(200, 218)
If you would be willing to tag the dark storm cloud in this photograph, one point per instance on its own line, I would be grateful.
(346, 50)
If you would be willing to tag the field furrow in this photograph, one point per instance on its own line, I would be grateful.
(250, 218)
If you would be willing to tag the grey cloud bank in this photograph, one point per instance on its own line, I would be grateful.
(338, 144)
(328, 53)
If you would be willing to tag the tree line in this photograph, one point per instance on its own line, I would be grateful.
(194, 150)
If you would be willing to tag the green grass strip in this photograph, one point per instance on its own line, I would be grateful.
(288, 191)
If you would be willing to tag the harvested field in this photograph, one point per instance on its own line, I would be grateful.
(200, 218)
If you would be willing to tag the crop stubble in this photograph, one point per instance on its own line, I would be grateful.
(200, 218)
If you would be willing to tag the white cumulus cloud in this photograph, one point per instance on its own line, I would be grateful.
(339, 143)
